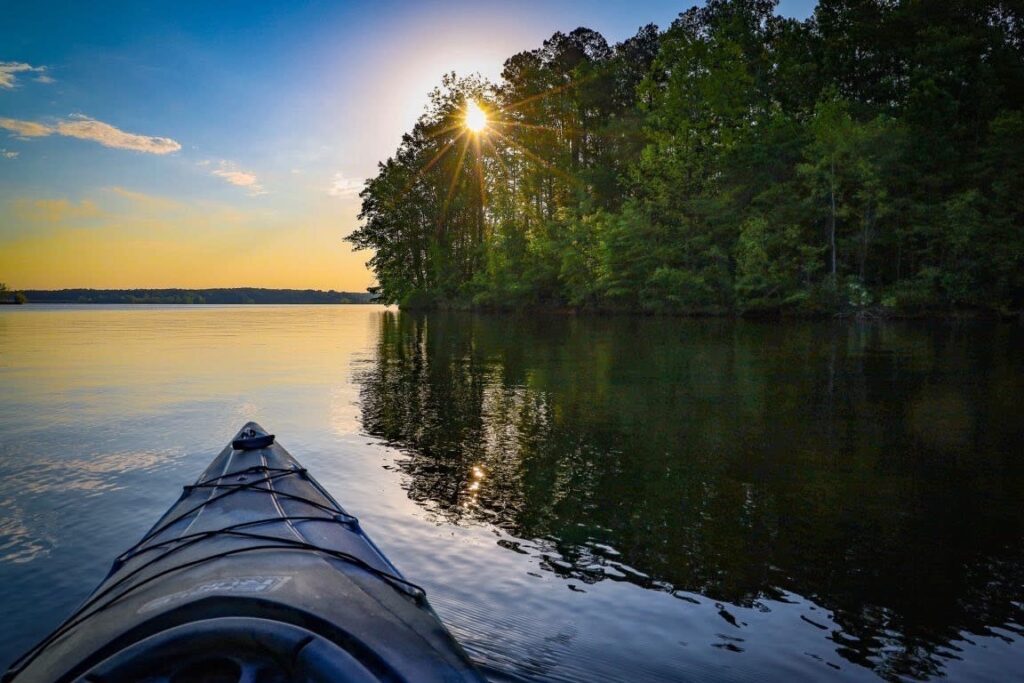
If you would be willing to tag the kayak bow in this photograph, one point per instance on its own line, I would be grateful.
(255, 574)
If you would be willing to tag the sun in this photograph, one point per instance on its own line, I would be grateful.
(476, 118)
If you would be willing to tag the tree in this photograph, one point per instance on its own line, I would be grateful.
(737, 162)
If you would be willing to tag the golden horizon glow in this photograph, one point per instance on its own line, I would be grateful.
(121, 239)
(476, 117)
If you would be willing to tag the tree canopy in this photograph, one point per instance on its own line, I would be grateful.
(738, 161)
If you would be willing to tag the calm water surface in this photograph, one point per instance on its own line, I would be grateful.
(584, 499)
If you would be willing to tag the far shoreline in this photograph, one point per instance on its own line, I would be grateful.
(204, 296)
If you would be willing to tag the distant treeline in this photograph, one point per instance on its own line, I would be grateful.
(231, 295)
(869, 158)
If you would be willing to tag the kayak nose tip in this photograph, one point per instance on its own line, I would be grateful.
(251, 437)
(250, 440)
(251, 425)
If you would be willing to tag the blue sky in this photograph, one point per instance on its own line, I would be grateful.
(223, 143)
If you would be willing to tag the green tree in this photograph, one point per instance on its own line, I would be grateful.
(737, 162)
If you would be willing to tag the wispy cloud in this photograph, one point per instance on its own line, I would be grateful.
(8, 71)
(240, 178)
(26, 129)
(230, 172)
(145, 201)
(54, 211)
(8, 154)
(344, 187)
(85, 128)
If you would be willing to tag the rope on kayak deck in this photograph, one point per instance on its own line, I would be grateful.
(335, 515)
(229, 489)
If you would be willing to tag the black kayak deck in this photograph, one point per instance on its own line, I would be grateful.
(256, 572)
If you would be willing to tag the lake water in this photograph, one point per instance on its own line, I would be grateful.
(583, 499)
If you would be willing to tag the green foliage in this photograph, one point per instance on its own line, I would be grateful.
(772, 266)
(736, 162)
(580, 259)
(418, 299)
(914, 294)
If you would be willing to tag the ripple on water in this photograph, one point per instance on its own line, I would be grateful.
(93, 474)
(19, 543)
(584, 499)
(28, 513)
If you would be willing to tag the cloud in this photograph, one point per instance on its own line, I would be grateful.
(85, 128)
(54, 211)
(240, 178)
(26, 129)
(230, 172)
(45, 79)
(8, 154)
(344, 187)
(145, 201)
(8, 70)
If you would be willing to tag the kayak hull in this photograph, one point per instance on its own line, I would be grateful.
(255, 573)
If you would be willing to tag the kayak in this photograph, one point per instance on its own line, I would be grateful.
(255, 574)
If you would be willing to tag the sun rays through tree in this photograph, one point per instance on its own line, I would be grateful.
(864, 160)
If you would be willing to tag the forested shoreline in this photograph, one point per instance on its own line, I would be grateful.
(222, 295)
(867, 159)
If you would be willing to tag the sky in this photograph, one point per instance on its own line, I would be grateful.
(221, 144)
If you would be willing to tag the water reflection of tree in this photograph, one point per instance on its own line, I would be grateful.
(869, 469)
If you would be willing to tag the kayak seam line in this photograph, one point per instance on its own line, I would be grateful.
(228, 490)
(228, 529)
(277, 503)
(227, 463)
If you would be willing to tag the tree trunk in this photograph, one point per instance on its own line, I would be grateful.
(832, 221)
(865, 237)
